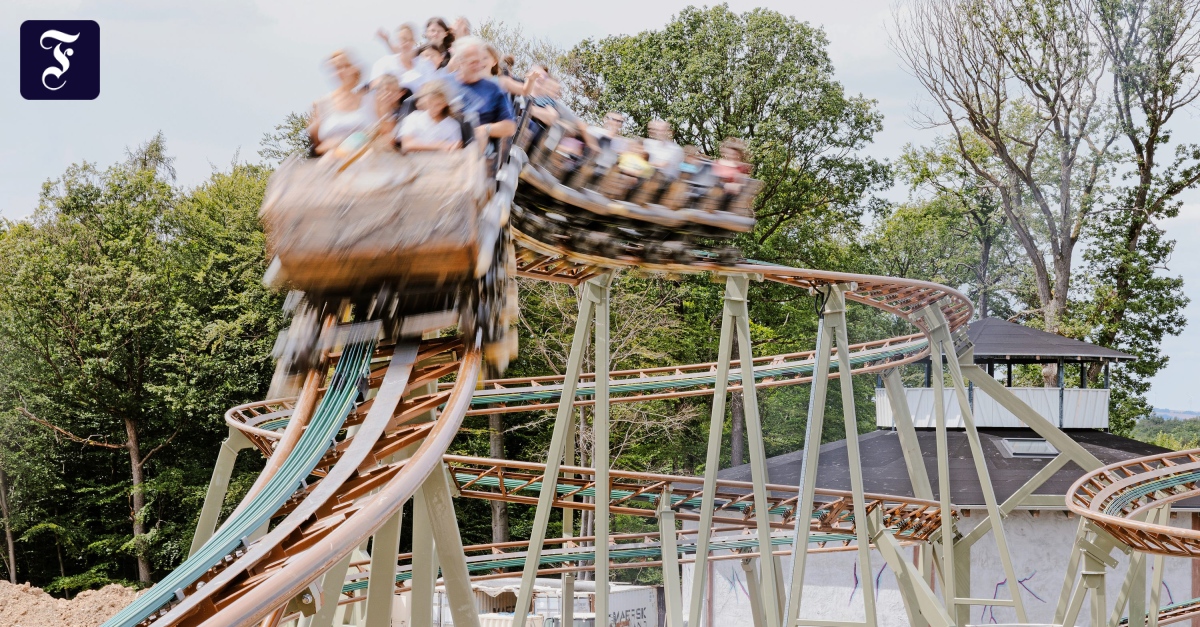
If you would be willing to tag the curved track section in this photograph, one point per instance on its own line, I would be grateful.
(272, 493)
(348, 506)
(357, 484)
(1117, 496)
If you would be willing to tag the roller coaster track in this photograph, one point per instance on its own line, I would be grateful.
(1119, 497)
(323, 496)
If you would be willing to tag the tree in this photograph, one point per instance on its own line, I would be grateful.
(1023, 77)
(980, 249)
(1153, 47)
(132, 314)
(761, 76)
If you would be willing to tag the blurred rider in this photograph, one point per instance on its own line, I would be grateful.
(431, 126)
(608, 137)
(461, 27)
(484, 103)
(410, 70)
(345, 113)
(436, 32)
(665, 154)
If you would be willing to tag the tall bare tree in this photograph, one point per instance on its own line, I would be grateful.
(1025, 77)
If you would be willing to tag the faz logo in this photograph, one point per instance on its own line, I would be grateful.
(60, 60)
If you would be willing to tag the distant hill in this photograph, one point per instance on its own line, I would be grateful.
(1175, 414)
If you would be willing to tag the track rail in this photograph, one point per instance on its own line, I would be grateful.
(638, 493)
(1115, 496)
(356, 488)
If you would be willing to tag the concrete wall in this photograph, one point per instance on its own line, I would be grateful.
(1040, 548)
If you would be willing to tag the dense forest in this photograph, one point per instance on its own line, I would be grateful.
(132, 312)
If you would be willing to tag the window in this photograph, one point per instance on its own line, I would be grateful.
(1028, 447)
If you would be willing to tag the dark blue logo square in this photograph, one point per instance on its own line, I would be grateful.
(60, 60)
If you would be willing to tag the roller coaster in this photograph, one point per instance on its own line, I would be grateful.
(381, 394)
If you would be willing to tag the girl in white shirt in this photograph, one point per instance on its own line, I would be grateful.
(430, 127)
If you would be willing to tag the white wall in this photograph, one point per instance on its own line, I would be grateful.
(1082, 408)
(1040, 548)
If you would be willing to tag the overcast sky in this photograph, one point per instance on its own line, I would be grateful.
(214, 75)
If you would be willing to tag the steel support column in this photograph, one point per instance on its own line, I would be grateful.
(439, 507)
(735, 318)
(940, 333)
(670, 560)
(591, 294)
(831, 332)
(218, 486)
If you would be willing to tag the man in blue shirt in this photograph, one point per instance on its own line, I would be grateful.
(484, 102)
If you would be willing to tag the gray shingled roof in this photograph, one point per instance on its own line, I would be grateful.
(1000, 340)
(884, 471)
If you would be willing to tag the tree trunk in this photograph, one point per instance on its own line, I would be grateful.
(496, 449)
(737, 430)
(8, 533)
(139, 500)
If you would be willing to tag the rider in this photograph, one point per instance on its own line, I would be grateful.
(484, 103)
(664, 153)
(345, 111)
(431, 127)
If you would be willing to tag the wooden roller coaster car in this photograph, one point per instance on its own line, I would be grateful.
(589, 205)
(416, 242)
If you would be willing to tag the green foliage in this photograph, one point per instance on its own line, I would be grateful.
(133, 316)
(289, 137)
(761, 76)
(1177, 435)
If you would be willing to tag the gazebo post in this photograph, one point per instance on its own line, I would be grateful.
(1082, 376)
(1106, 364)
(1009, 373)
(1061, 392)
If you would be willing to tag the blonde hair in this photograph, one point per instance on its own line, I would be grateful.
(436, 87)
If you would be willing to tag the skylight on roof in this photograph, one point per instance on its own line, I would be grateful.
(1028, 447)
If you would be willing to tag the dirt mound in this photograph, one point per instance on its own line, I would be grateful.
(26, 606)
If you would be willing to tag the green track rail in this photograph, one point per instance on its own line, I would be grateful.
(584, 554)
(327, 420)
(632, 385)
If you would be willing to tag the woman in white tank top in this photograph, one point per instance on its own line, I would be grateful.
(344, 111)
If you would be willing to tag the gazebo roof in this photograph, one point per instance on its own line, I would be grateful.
(1000, 340)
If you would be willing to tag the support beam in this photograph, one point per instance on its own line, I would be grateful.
(810, 457)
(754, 591)
(381, 588)
(947, 532)
(439, 507)
(737, 295)
(835, 308)
(424, 563)
(670, 560)
(590, 294)
(918, 476)
(218, 486)
(1044, 428)
(941, 333)
(331, 593)
(600, 450)
(712, 463)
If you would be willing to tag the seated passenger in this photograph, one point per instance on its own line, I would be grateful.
(388, 95)
(731, 167)
(633, 160)
(435, 55)
(608, 137)
(664, 153)
(410, 70)
(344, 114)
(437, 33)
(484, 104)
(431, 127)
